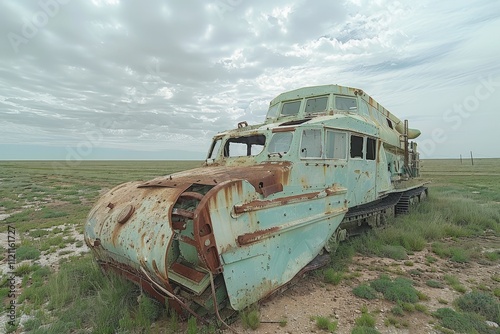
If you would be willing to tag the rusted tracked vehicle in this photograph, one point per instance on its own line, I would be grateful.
(327, 161)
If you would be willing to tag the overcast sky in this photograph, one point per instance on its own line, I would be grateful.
(157, 79)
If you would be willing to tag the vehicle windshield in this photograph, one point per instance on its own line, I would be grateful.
(244, 146)
(214, 149)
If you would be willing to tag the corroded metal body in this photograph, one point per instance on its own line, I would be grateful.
(267, 201)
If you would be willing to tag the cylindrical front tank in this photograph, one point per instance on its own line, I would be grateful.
(129, 226)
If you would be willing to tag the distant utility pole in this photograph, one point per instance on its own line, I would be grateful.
(460, 159)
(471, 158)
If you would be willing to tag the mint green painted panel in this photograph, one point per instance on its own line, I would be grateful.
(292, 235)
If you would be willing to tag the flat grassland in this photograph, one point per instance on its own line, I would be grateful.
(436, 270)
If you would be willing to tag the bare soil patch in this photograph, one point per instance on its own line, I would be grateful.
(311, 297)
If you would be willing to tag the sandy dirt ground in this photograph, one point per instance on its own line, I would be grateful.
(311, 297)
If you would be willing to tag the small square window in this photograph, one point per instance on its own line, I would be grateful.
(317, 104)
(345, 103)
(290, 108)
(311, 144)
(336, 143)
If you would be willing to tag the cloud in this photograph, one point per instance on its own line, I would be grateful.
(156, 75)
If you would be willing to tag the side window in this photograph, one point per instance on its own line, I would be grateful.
(345, 103)
(356, 147)
(389, 122)
(290, 108)
(214, 150)
(371, 148)
(272, 112)
(363, 108)
(336, 144)
(311, 144)
(317, 104)
(280, 142)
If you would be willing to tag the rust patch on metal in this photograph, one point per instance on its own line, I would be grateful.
(250, 238)
(191, 195)
(183, 213)
(116, 232)
(259, 204)
(178, 225)
(272, 189)
(125, 214)
(287, 129)
(203, 230)
(267, 173)
(190, 273)
(379, 142)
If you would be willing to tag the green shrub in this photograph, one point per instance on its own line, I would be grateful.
(492, 256)
(403, 235)
(365, 320)
(53, 214)
(481, 303)
(459, 255)
(324, 323)
(27, 252)
(415, 272)
(440, 249)
(401, 293)
(462, 322)
(400, 289)
(395, 252)
(390, 321)
(422, 296)
(24, 269)
(434, 284)
(454, 283)
(83, 297)
(4, 292)
(397, 310)
(408, 307)
(365, 291)
(149, 309)
(364, 330)
(38, 233)
(192, 327)
(382, 283)
(430, 259)
(32, 324)
(421, 308)
(341, 258)
(333, 277)
(250, 318)
(9, 328)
